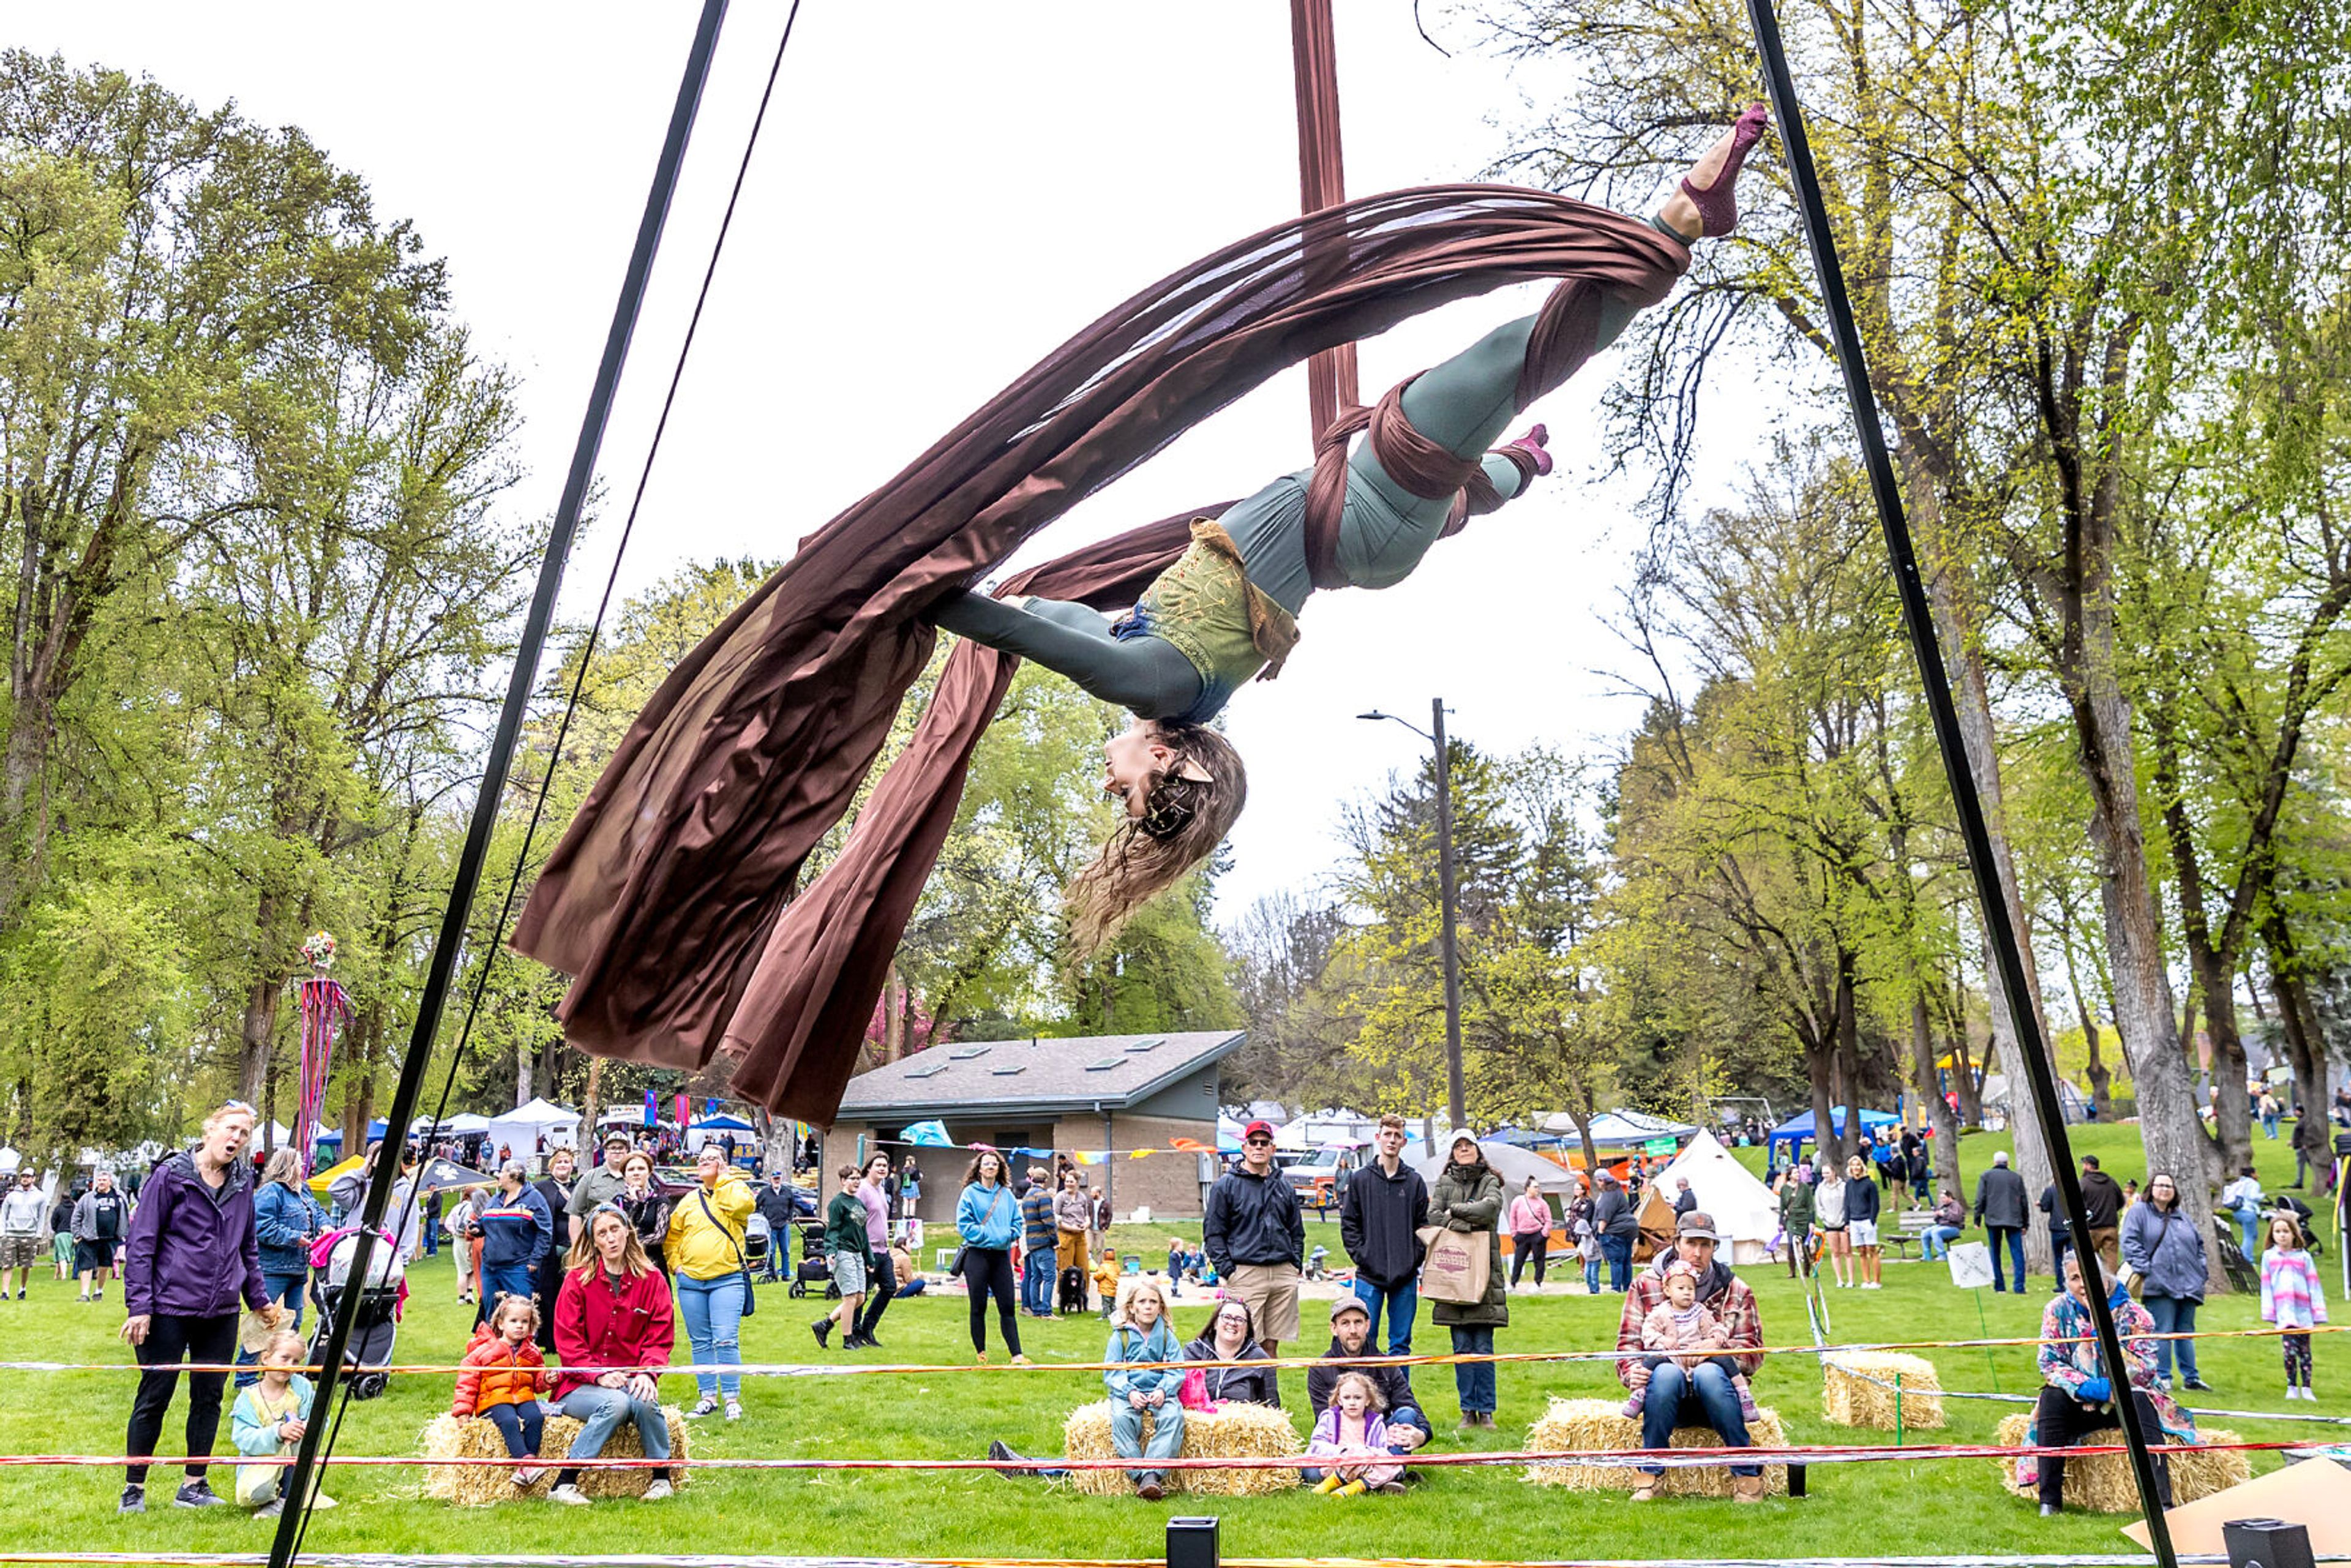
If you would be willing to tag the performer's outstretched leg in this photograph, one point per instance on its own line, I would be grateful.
(1463, 404)
(1144, 674)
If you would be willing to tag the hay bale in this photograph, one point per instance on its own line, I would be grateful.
(2101, 1483)
(473, 1486)
(1235, 1431)
(1858, 1390)
(1587, 1426)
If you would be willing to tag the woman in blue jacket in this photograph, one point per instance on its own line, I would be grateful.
(988, 1220)
(1149, 1390)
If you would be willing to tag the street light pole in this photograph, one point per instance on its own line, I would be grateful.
(1446, 897)
(1449, 953)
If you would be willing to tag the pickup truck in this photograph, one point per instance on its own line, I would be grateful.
(1320, 1176)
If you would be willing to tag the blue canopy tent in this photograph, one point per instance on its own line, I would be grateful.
(1798, 1131)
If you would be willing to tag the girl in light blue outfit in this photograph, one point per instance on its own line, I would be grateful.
(1136, 1392)
(267, 1423)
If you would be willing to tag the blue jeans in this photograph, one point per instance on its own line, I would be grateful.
(714, 1324)
(1473, 1380)
(2015, 1235)
(1404, 1416)
(507, 1280)
(521, 1425)
(1126, 1436)
(599, 1410)
(1592, 1276)
(2270, 1126)
(2249, 1222)
(1702, 1396)
(1403, 1305)
(1618, 1251)
(2172, 1314)
(1037, 1281)
(1936, 1240)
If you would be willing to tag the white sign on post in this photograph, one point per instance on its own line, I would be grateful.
(1970, 1265)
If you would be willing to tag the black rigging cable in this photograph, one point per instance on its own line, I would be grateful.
(293, 1529)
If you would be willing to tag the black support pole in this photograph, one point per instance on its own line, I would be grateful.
(1919, 622)
(299, 1484)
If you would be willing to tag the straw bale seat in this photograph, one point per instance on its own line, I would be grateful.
(1590, 1426)
(1237, 1431)
(1858, 1390)
(447, 1437)
(2101, 1483)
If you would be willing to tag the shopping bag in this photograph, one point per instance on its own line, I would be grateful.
(1459, 1265)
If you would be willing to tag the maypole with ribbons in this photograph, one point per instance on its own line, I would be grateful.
(325, 1007)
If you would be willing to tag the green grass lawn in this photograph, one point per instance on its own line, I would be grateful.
(1853, 1510)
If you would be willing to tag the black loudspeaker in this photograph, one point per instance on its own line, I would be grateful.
(2266, 1543)
(1192, 1544)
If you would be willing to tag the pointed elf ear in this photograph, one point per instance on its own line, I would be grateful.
(1190, 770)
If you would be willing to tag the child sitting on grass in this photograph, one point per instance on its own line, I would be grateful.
(1350, 1428)
(266, 1422)
(503, 1375)
(1679, 1324)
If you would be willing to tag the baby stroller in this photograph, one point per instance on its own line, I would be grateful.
(815, 1271)
(756, 1239)
(369, 1350)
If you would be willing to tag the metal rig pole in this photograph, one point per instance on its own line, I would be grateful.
(298, 1482)
(1788, 112)
(1454, 1095)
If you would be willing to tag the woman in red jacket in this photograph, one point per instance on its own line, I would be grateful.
(613, 1313)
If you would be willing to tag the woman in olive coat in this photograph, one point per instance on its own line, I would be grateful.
(1467, 1195)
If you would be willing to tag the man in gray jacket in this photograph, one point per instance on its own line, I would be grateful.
(2001, 1210)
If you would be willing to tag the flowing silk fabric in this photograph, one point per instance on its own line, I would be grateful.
(324, 1008)
(670, 899)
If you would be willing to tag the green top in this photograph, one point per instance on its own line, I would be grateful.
(844, 1226)
(1207, 607)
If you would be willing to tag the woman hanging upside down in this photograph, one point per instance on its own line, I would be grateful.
(1226, 612)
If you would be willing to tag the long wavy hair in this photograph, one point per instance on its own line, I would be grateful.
(1189, 808)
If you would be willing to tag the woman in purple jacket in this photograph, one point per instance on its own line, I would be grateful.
(192, 1255)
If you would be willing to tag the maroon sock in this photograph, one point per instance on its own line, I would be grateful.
(1717, 204)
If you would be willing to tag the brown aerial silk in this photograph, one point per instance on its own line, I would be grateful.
(670, 899)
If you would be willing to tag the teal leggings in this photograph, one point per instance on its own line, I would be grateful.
(1462, 405)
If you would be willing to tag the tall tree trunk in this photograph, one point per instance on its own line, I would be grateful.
(258, 1024)
(590, 1103)
(1951, 596)
(2168, 1123)
(1848, 1049)
(525, 1060)
(2304, 1047)
(1940, 1115)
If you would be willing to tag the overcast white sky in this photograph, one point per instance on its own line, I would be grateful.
(943, 192)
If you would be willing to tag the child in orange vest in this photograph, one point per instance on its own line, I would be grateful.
(503, 1377)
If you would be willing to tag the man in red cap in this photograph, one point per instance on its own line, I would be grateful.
(1252, 1232)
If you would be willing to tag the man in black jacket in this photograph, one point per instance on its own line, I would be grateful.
(1351, 1336)
(777, 1207)
(1253, 1234)
(2102, 1206)
(2000, 1210)
(1380, 1215)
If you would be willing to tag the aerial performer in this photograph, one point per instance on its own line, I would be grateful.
(1226, 613)
(673, 899)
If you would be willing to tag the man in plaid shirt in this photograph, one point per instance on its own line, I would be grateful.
(1702, 1395)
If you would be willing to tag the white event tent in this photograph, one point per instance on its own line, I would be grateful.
(520, 1128)
(1743, 1209)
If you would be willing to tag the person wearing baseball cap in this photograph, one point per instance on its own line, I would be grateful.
(1351, 1336)
(1705, 1394)
(604, 1183)
(1253, 1233)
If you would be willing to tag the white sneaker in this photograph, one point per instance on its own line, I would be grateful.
(657, 1491)
(526, 1474)
(734, 1410)
(707, 1406)
(568, 1494)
